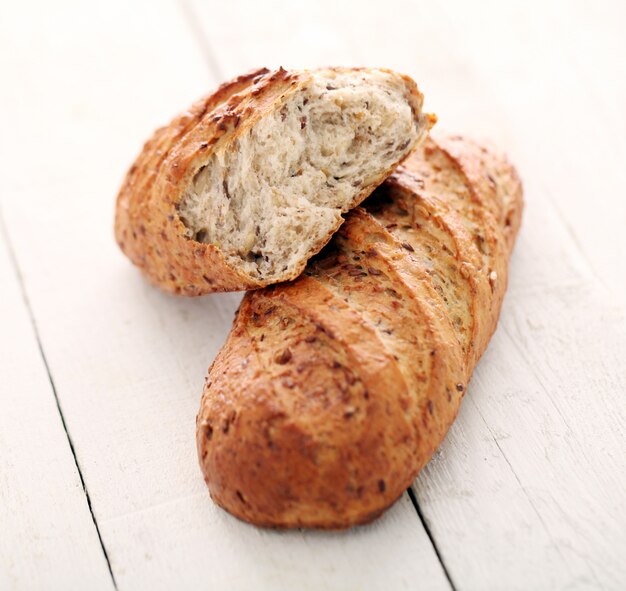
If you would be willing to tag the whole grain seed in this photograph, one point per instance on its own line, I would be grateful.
(283, 357)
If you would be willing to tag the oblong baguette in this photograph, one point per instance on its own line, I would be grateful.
(242, 189)
(334, 390)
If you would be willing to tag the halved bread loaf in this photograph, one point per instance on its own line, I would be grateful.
(241, 190)
(334, 390)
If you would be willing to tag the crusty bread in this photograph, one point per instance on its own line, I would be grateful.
(240, 191)
(334, 390)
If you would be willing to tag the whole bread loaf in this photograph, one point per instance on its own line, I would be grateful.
(242, 189)
(334, 390)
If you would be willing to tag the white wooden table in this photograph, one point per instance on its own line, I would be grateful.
(101, 374)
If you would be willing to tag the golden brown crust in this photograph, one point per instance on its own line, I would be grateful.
(147, 226)
(334, 390)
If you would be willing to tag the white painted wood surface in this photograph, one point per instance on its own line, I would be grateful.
(528, 491)
(48, 539)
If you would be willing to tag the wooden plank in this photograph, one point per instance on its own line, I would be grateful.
(527, 489)
(128, 362)
(48, 535)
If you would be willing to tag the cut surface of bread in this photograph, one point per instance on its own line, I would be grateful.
(333, 390)
(254, 185)
(281, 188)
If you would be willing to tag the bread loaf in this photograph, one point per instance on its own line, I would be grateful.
(334, 390)
(242, 189)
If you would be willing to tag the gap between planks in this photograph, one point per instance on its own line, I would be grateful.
(16, 269)
(430, 535)
(206, 49)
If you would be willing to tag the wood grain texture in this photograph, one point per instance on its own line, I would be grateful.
(48, 538)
